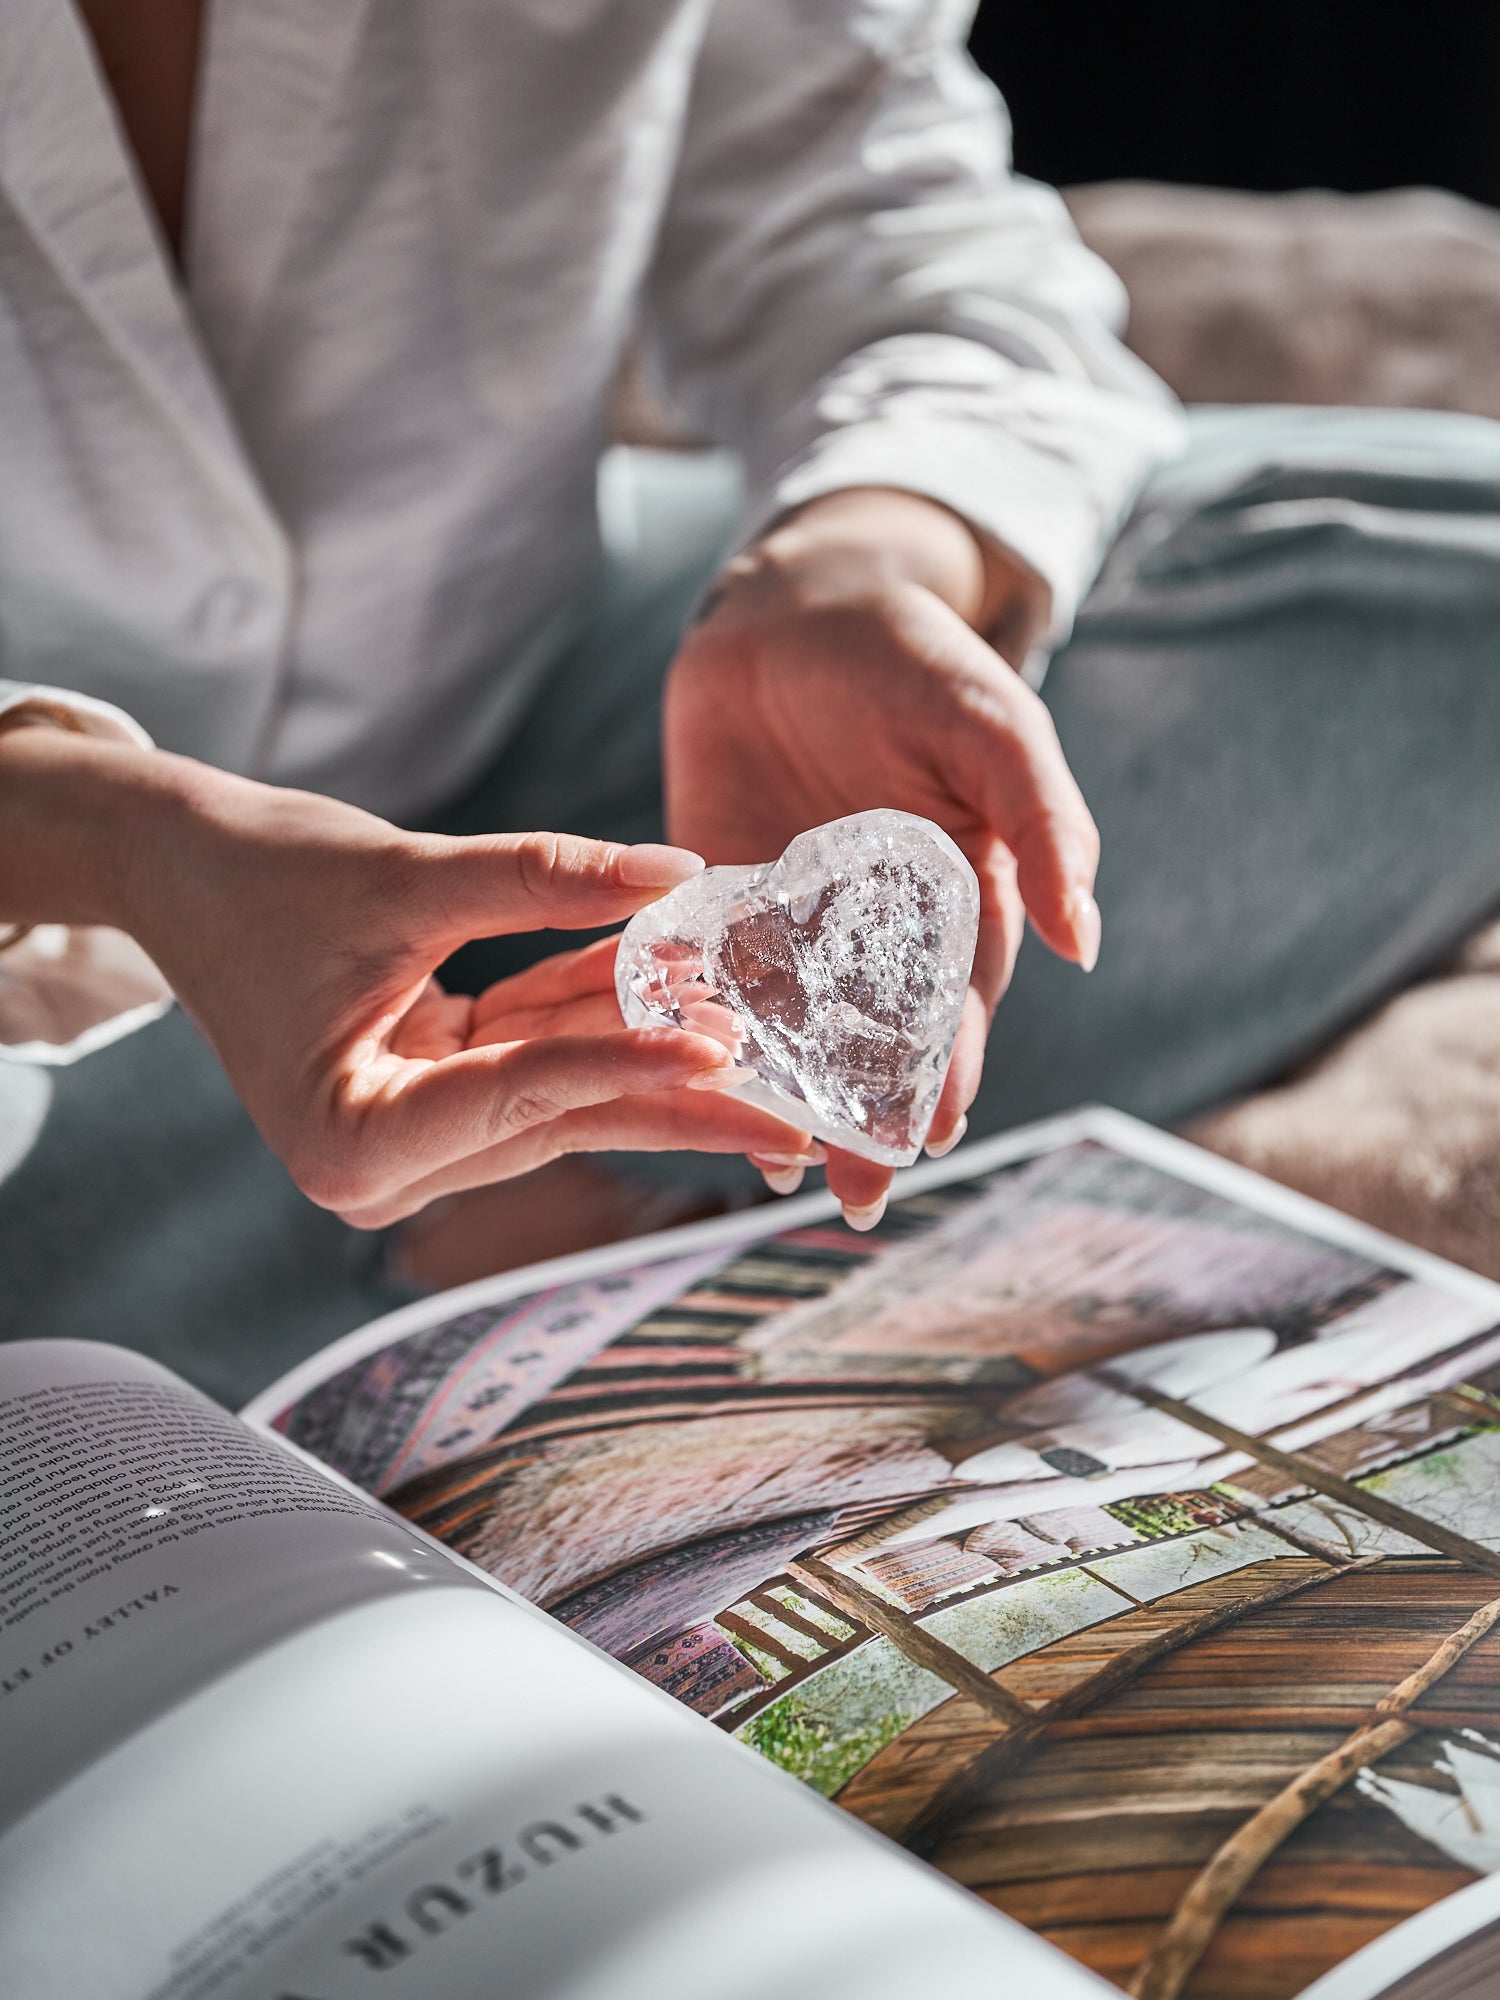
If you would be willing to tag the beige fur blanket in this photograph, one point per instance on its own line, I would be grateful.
(1399, 1123)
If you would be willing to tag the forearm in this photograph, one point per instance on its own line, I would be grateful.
(83, 826)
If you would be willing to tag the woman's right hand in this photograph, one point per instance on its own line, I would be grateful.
(302, 935)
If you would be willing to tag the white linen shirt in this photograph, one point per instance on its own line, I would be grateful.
(320, 509)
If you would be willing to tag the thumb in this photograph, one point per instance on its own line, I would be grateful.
(481, 887)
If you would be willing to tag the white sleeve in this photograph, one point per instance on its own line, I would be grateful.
(66, 990)
(853, 288)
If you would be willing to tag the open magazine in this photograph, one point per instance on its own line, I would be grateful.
(1113, 1532)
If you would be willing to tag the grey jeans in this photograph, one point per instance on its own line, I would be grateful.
(1282, 700)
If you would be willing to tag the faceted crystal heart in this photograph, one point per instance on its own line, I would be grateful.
(837, 974)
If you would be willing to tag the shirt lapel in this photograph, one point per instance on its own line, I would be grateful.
(67, 173)
(270, 69)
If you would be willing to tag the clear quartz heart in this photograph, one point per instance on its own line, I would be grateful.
(837, 974)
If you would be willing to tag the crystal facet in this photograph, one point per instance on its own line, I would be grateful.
(837, 974)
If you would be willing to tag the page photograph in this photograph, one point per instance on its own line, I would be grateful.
(1119, 1535)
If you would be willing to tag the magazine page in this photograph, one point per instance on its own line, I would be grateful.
(1115, 1531)
(433, 1799)
(149, 1540)
(261, 1741)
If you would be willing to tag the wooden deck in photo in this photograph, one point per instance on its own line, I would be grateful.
(1149, 1748)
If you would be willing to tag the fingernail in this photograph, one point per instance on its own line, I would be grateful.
(782, 1180)
(864, 1218)
(730, 1077)
(653, 865)
(1088, 927)
(937, 1147)
(813, 1157)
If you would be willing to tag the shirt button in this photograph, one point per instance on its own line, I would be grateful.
(227, 607)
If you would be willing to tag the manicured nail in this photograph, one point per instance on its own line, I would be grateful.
(864, 1218)
(782, 1180)
(652, 865)
(730, 1077)
(1088, 927)
(813, 1157)
(937, 1147)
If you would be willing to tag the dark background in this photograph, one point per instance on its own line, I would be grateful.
(1278, 94)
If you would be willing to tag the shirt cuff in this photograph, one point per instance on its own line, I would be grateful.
(1048, 466)
(68, 990)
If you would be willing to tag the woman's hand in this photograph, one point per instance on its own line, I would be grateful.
(302, 936)
(838, 667)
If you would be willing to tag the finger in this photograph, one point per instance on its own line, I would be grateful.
(783, 1172)
(1002, 925)
(1002, 922)
(411, 1120)
(1010, 768)
(861, 1186)
(599, 1014)
(565, 975)
(436, 1024)
(582, 1003)
(486, 885)
(672, 1121)
(1001, 928)
(589, 1014)
(717, 1022)
(961, 1084)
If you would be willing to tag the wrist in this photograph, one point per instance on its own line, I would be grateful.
(86, 825)
(891, 536)
(867, 539)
